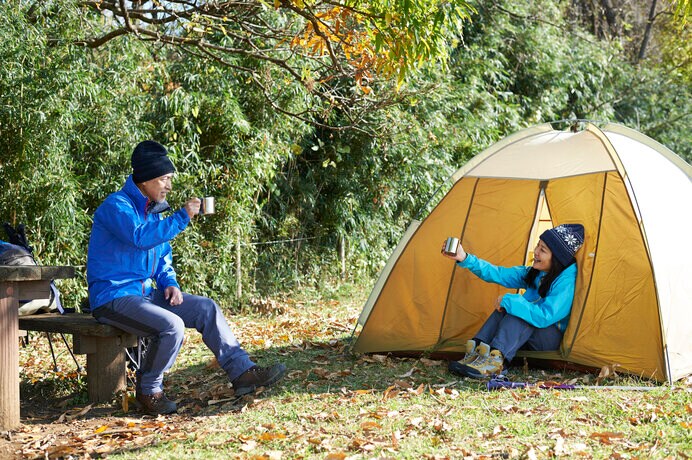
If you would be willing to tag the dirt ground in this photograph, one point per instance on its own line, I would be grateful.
(58, 429)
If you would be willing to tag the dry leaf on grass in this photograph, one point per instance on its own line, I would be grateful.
(606, 437)
(73, 414)
(335, 456)
(430, 362)
(408, 374)
(607, 372)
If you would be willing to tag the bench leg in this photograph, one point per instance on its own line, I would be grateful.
(106, 372)
(9, 357)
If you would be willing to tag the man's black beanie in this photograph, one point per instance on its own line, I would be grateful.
(150, 160)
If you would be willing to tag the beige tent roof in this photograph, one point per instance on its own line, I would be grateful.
(631, 194)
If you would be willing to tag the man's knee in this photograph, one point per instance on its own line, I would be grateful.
(207, 307)
(176, 328)
(204, 311)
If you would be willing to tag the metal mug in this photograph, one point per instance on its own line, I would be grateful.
(451, 246)
(207, 205)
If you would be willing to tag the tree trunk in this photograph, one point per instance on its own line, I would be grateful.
(609, 12)
(342, 256)
(647, 31)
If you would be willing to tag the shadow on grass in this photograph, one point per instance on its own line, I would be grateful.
(317, 367)
(314, 367)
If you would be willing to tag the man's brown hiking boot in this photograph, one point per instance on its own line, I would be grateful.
(256, 377)
(156, 403)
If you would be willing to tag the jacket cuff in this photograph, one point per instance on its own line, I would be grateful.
(182, 217)
(468, 261)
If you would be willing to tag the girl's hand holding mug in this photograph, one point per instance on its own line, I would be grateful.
(452, 249)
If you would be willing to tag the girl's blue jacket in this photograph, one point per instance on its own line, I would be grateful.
(529, 306)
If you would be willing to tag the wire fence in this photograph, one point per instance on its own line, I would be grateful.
(292, 240)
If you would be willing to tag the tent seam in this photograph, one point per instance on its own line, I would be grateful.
(454, 267)
(566, 352)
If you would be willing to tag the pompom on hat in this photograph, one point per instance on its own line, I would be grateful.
(149, 161)
(564, 241)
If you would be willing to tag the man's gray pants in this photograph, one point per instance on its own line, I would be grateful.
(165, 325)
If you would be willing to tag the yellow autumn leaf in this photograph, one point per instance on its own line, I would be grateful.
(369, 425)
(390, 392)
(271, 436)
(335, 456)
(607, 436)
(420, 389)
(101, 429)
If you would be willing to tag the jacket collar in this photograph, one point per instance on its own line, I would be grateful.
(142, 202)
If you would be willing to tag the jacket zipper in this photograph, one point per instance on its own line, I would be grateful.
(153, 266)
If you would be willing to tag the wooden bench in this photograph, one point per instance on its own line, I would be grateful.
(104, 346)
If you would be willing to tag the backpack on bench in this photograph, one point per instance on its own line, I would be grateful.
(18, 252)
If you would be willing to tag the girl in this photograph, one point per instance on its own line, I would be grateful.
(535, 320)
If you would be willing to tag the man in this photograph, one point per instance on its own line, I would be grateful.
(132, 283)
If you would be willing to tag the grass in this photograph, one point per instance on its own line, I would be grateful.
(334, 405)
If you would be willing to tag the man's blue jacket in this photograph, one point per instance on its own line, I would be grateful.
(129, 247)
(538, 311)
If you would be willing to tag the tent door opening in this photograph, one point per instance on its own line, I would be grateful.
(542, 222)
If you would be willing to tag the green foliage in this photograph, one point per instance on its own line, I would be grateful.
(683, 11)
(70, 116)
(412, 33)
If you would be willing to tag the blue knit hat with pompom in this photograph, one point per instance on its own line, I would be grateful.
(564, 241)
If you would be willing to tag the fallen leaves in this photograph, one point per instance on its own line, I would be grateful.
(337, 407)
(103, 440)
(329, 375)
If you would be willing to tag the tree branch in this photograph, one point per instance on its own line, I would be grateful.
(100, 41)
(327, 65)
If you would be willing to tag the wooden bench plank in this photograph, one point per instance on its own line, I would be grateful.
(69, 323)
(34, 272)
(28, 290)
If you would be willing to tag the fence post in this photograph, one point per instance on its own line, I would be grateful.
(238, 268)
(342, 256)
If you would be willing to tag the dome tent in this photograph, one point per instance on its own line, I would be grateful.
(631, 194)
